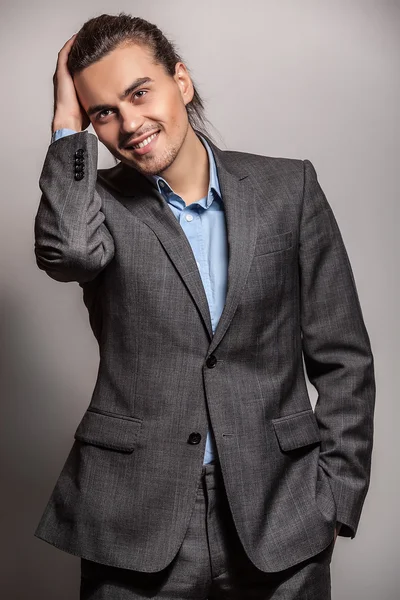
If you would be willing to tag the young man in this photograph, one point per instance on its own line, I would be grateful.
(199, 469)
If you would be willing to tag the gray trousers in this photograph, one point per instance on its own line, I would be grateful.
(211, 563)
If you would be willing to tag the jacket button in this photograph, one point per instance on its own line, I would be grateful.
(194, 438)
(211, 361)
(78, 176)
(79, 152)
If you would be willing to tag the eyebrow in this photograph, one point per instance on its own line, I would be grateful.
(137, 83)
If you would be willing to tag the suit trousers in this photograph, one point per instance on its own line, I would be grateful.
(210, 564)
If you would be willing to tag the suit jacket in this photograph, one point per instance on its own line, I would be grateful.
(127, 490)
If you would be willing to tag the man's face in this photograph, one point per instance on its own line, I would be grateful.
(155, 106)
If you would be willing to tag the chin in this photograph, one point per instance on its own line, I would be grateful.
(156, 166)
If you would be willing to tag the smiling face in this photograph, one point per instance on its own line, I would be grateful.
(129, 98)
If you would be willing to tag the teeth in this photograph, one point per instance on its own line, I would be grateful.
(146, 141)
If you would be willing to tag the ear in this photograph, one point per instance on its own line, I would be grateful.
(184, 82)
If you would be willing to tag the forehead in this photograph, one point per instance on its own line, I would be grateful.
(105, 79)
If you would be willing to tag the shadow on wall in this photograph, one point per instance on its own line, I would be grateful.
(34, 443)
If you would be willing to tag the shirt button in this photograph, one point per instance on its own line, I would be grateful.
(189, 217)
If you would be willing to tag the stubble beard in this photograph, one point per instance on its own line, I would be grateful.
(157, 163)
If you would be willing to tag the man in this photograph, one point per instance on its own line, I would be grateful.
(199, 469)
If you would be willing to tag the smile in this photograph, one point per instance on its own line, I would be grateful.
(146, 146)
(146, 141)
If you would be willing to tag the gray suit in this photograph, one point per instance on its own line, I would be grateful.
(127, 490)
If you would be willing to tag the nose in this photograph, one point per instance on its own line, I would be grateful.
(130, 121)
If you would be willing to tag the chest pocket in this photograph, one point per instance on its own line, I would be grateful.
(267, 244)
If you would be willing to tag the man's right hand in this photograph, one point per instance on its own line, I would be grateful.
(68, 113)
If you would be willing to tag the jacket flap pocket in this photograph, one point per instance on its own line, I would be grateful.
(297, 430)
(108, 431)
(267, 243)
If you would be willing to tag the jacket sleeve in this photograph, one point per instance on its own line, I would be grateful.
(72, 241)
(337, 354)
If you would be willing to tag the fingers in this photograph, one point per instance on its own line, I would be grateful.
(63, 54)
(67, 110)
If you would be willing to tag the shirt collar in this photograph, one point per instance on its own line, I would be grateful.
(213, 186)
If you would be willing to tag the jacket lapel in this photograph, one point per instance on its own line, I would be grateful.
(144, 201)
(241, 223)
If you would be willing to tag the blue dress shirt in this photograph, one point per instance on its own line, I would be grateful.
(204, 225)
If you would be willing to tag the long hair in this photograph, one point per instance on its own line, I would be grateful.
(101, 35)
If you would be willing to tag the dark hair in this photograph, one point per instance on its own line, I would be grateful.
(101, 35)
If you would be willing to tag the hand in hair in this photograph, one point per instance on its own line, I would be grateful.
(68, 112)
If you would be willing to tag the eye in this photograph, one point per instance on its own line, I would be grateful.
(99, 115)
(140, 92)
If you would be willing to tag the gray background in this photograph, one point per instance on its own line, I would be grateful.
(303, 79)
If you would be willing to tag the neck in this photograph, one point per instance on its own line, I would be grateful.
(189, 174)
